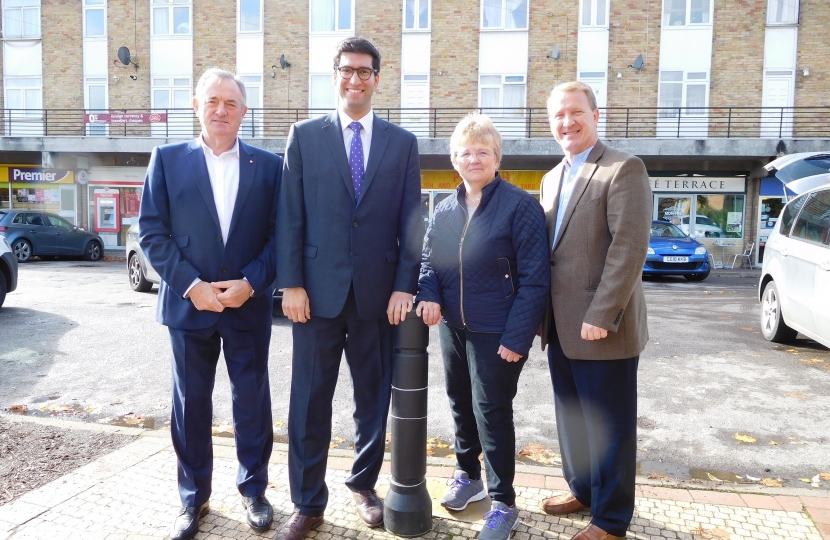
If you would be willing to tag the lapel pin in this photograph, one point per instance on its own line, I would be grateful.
(251, 161)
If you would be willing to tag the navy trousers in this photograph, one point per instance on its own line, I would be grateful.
(318, 346)
(195, 355)
(596, 422)
(481, 386)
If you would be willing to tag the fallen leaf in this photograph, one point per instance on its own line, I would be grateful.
(657, 476)
(339, 440)
(720, 533)
(797, 396)
(814, 481)
(279, 423)
(706, 292)
(805, 480)
(773, 443)
(752, 478)
(748, 329)
(721, 292)
(793, 351)
(812, 360)
(19, 408)
(332, 445)
(713, 478)
(540, 453)
(744, 438)
(825, 476)
(773, 482)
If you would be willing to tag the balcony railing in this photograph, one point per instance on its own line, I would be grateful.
(513, 123)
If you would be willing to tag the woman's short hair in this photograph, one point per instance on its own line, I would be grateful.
(475, 128)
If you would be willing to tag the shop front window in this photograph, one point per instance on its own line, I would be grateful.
(722, 214)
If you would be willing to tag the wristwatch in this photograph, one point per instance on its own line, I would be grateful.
(251, 294)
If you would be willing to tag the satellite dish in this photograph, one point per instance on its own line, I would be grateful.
(283, 62)
(638, 63)
(124, 55)
(555, 53)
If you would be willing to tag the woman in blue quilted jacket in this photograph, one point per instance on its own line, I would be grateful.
(485, 276)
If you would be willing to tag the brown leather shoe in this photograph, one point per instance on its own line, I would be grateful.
(562, 504)
(592, 532)
(369, 507)
(297, 526)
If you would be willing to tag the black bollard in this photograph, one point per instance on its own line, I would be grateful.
(407, 508)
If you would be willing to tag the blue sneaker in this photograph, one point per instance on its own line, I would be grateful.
(499, 522)
(462, 492)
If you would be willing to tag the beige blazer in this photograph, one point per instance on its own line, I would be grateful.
(597, 262)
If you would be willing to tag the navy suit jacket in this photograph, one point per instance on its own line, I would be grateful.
(329, 241)
(180, 233)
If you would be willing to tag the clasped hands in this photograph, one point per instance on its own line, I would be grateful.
(219, 295)
(431, 314)
(296, 306)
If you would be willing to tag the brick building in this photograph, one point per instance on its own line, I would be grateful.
(705, 91)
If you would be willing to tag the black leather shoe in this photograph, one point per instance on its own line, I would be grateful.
(186, 524)
(260, 512)
(369, 507)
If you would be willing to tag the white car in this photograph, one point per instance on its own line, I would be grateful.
(8, 269)
(795, 279)
(704, 227)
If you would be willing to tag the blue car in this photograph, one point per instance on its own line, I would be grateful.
(672, 253)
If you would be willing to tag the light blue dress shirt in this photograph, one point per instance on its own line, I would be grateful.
(568, 180)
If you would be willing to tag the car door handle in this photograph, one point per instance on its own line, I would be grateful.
(784, 252)
(825, 266)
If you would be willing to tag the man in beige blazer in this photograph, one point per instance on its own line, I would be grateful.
(598, 210)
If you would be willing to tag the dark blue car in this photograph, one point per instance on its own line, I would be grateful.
(672, 253)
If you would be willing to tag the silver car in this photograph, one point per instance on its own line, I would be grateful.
(143, 277)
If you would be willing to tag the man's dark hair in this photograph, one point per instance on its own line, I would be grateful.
(359, 46)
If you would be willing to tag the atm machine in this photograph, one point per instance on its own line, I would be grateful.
(107, 216)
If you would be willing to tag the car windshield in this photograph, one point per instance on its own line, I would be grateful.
(703, 220)
(666, 230)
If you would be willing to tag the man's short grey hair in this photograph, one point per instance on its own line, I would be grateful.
(216, 74)
(574, 86)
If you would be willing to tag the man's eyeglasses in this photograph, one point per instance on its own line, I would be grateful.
(364, 73)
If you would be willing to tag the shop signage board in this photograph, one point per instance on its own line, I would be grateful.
(698, 184)
(125, 118)
(526, 180)
(39, 175)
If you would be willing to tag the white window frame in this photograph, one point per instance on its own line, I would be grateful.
(687, 17)
(171, 6)
(336, 29)
(592, 4)
(416, 26)
(504, 17)
(171, 85)
(775, 6)
(239, 28)
(100, 6)
(333, 90)
(506, 80)
(687, 79)
(96, 129)
(9, 83)
(8, 11)
(252, 126)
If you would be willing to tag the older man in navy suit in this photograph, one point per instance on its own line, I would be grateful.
(208, 224)
(348, 256)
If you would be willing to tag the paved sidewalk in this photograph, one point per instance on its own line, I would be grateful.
(131, 493)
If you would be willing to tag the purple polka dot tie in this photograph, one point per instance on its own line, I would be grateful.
(356, 158)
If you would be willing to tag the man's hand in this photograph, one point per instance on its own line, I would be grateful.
(591, 332)
(400, 303)
(204, 297)
(295, 304)
(430, 312)
(232, 293)
(508, 355)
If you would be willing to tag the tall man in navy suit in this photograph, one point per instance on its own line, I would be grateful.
(350, 234)
(208, 225)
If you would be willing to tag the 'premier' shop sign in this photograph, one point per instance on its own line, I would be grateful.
(698, 184)
(37, 175)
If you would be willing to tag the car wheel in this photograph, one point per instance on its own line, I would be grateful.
(4, 288)
(138, 282)
(697, 277)
(22, 249)
(773, 326)
(94, 251)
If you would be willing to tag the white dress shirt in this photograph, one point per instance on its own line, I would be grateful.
(569, 176)
(365, 133)
(223, 171)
